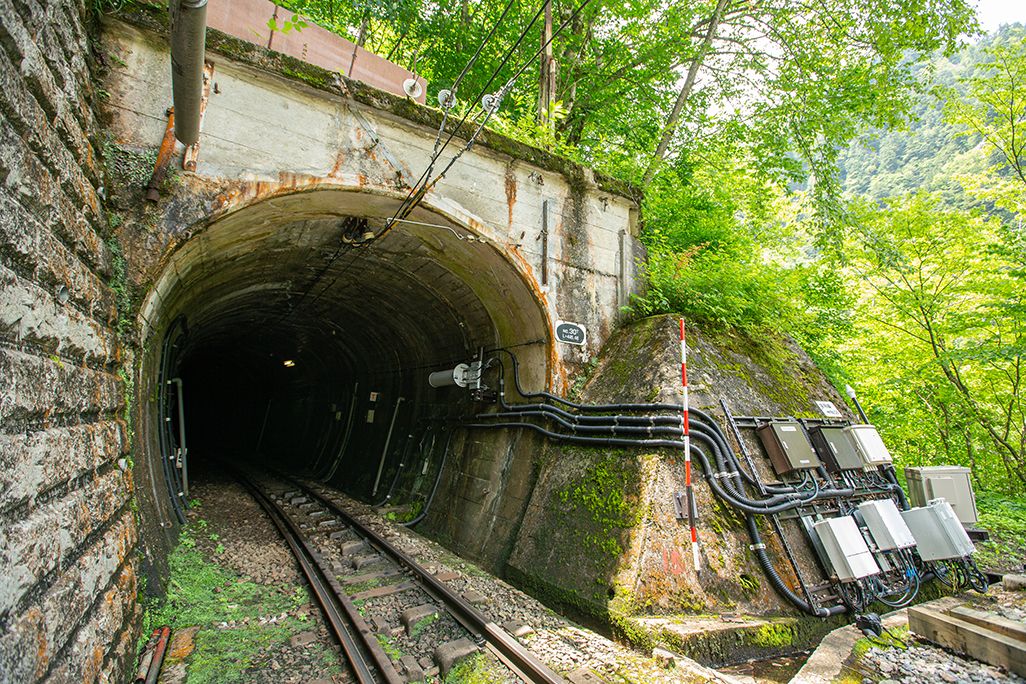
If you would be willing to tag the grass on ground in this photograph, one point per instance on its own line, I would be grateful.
(227, 609)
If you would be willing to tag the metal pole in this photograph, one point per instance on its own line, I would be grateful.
(263, 426)
(545, 243)
(742, 447)
(345, 439)
(384, 452)
(686, 430)
(181, 437)
(855, 400)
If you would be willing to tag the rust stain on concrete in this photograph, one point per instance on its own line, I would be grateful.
(513, 252)
(511, 191)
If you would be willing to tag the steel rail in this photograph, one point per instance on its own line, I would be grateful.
(368, 661)
(500, 642)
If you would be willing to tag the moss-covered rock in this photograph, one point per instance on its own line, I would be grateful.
(601, 534)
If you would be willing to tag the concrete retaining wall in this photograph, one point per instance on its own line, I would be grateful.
(67, 531)
(601, 533)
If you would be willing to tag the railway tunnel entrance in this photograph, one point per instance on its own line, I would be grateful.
(299, 333)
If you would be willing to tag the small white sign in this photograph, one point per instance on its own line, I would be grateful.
(828, 409)
(571, 333)
(373, 396)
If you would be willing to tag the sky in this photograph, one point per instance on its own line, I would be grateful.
(993, 13)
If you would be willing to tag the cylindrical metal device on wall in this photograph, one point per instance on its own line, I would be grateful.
(188, 46)
(447, 378)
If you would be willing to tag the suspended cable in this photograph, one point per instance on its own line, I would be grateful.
(490, 108)
(418, 189)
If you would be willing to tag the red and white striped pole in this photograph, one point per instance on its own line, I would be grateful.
(685, 428)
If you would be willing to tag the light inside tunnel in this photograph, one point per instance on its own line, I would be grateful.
(305, 351)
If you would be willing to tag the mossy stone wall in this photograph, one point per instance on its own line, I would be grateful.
(601, 533)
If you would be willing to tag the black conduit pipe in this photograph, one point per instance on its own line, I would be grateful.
(894, 487)
(759, 548)
(188, 46)
(751, 506)
(616, 421)
(434, 487)
(610, 428)
(595, 408)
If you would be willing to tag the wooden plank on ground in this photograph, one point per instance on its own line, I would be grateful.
(993, 622)
(971, 639)
(387, 590)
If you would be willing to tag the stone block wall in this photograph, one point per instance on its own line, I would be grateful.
(68, 609)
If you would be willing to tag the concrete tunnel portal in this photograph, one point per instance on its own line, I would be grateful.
(303, 346)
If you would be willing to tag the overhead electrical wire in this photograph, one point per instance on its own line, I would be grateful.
(419, 189)
(424, 183)
(343, 246)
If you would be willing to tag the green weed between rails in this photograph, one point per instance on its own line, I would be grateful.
(477, 669)
(201, 593)
(389, 647)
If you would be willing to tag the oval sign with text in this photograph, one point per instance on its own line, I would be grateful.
(571, 333)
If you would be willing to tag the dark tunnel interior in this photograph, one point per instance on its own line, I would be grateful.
(293, 348)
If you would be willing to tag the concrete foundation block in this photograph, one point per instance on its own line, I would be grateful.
(411, 617)
(1014, 582)
(451, 652)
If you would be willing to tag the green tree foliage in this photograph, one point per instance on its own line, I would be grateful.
(942, 335)
(942, 274)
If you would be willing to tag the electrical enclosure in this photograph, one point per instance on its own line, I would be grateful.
(787, 446)
(886, 525)
(939, 534)
(869, 445)
(951, 483)
(835, 448)
(846, 549)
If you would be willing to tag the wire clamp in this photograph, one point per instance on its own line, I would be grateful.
(757, 547)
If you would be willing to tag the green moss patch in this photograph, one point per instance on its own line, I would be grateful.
(719, 643)
(603, 503)
(477, 669)
(235, 634)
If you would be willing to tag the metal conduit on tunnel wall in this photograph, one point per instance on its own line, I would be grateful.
(188, 47)
(775, 499)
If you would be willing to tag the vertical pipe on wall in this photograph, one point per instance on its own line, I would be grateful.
(183, 448)
(384, 452)
(545, 243)
(188, 46)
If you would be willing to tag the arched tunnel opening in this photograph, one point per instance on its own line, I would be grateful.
(280, 336)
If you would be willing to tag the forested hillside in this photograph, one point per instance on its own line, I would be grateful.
(847, 173)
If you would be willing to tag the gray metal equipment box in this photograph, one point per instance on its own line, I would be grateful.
(788, 449)
(951, 483)
(835, 448)
(939, 535)
(886, 525)
(846, 549)
(870, 445)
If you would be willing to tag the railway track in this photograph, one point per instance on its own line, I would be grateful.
(395, 620)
